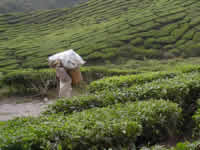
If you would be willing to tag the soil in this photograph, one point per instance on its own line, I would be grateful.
(21, 106)
(11, 107)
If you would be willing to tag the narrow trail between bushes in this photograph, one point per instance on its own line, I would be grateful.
(21, 106)
(11, 107)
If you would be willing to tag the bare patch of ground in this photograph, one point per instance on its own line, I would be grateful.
(20, 106)
(11, 107)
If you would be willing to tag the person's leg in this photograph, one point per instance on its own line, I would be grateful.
(57, 85)
(68, 89)
(65, 89)
(61, 89)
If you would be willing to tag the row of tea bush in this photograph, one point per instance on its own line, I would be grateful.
(29, 81)
(128, 80)
(182, 89)
(179, 146)
(93, 129)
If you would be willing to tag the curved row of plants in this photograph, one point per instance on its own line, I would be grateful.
(183, 89)
(128, 80)
(98, 128)
(101, 31)
(125, 120)
(29, 81)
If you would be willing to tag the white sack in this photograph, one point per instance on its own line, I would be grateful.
(69, 59)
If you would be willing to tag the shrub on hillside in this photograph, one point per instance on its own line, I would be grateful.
(96, 128)
(40, 81)
(30, 81)
(183, 89)
(196, 119)
(94, 73)
(179, 146)
(128, 80)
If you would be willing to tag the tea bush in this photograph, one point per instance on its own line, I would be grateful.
(182, 89)
(187, 146)
(101, 31)
(179, 146)
(2, 123)
(97, 72)
(128, 80)
(196, 119)
(22, 81)
(95, 128)
(29, 81)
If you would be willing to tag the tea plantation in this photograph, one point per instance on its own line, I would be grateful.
(131, 101)
(101, 31)
(7, 6)
(151, 108)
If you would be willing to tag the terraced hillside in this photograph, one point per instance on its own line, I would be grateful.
(7, 6)
(101, 31)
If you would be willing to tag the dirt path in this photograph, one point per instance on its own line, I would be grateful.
(17, 107)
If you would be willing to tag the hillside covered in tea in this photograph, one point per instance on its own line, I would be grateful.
(7, 6)
(102, 31)
(132, 97)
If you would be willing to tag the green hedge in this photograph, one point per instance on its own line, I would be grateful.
(95, 128)
(183, 89)
(196, 119)
(179, 146)
(30, 81)
(128, 80)
(97, 72)
(40, 81)
(2, 123)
